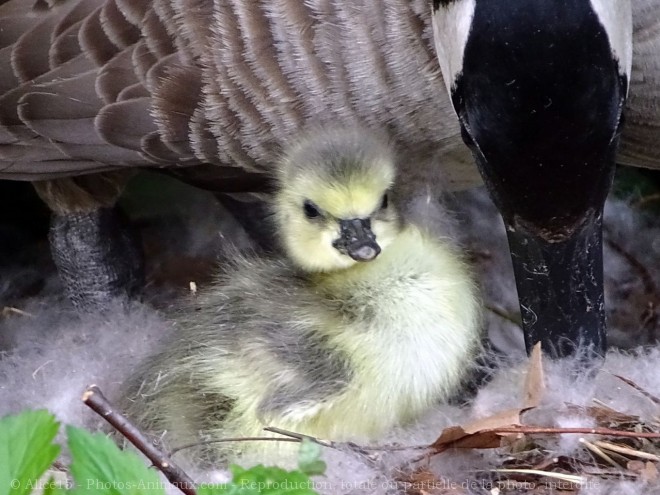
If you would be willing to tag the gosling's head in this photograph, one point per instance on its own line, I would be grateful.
(333, 205)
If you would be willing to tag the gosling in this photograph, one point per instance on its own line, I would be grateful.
(364, 323)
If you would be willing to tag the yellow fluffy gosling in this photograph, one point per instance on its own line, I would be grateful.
(365, 323)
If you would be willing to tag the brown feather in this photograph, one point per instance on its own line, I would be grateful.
(155, 149)
(192, 25)
(80, 11)
(116, 75)
(124, 123)
(118, 30)
(65, 46)
(230, 82)
(143, 61)
(134, 10)
(640, 142)
(8, 79)
(94, 41)
(136, 90)
(174, 103)
(30, 56)
(156, 36)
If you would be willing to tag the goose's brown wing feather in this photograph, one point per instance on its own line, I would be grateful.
(640, 142)
(92, 85)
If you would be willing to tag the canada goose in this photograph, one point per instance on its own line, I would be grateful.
(92, 89)
(364, 323)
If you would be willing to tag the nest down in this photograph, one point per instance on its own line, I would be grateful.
(528, 429)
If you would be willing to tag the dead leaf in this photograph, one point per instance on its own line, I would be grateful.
(502, 419)
(478, 434)
(650, 472)
(636, 466)
(535, 380)
(606, 416)
(475, 435)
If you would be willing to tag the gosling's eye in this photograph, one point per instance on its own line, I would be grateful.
(383, 203)
(311, 210)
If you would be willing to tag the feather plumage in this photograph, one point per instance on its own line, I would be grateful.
(254, 77)
(316, 341)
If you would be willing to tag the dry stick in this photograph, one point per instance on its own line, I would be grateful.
(596, 450)
(537, 430)
(294, 437)
(338, 445)
(646, 394)
(504, 315)
(622, 449)
(8, 310)
(324, 443)
(299, 436)
(94, 399)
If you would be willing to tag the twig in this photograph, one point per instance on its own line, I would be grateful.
(504, 315)
(94, 399)
(596, 450)
(338, 445)
(646, 394)
(395, 448)
(536, 430)
(572, 478)
(621, 449)
(8, 310)
(324, 443)
(300, 437)
(34, 373)
(294, 437)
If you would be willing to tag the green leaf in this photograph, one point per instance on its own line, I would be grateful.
(99, 466)
(263, 480)
(309, 458)
(26, 450)
(54, 487)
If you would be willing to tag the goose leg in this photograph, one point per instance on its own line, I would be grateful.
(97, 256)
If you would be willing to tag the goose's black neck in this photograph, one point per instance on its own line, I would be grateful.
(539, 97)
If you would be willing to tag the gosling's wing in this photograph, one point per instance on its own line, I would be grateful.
(640, 142)
(90, 85)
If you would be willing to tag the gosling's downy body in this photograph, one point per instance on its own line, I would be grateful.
(367, 322)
